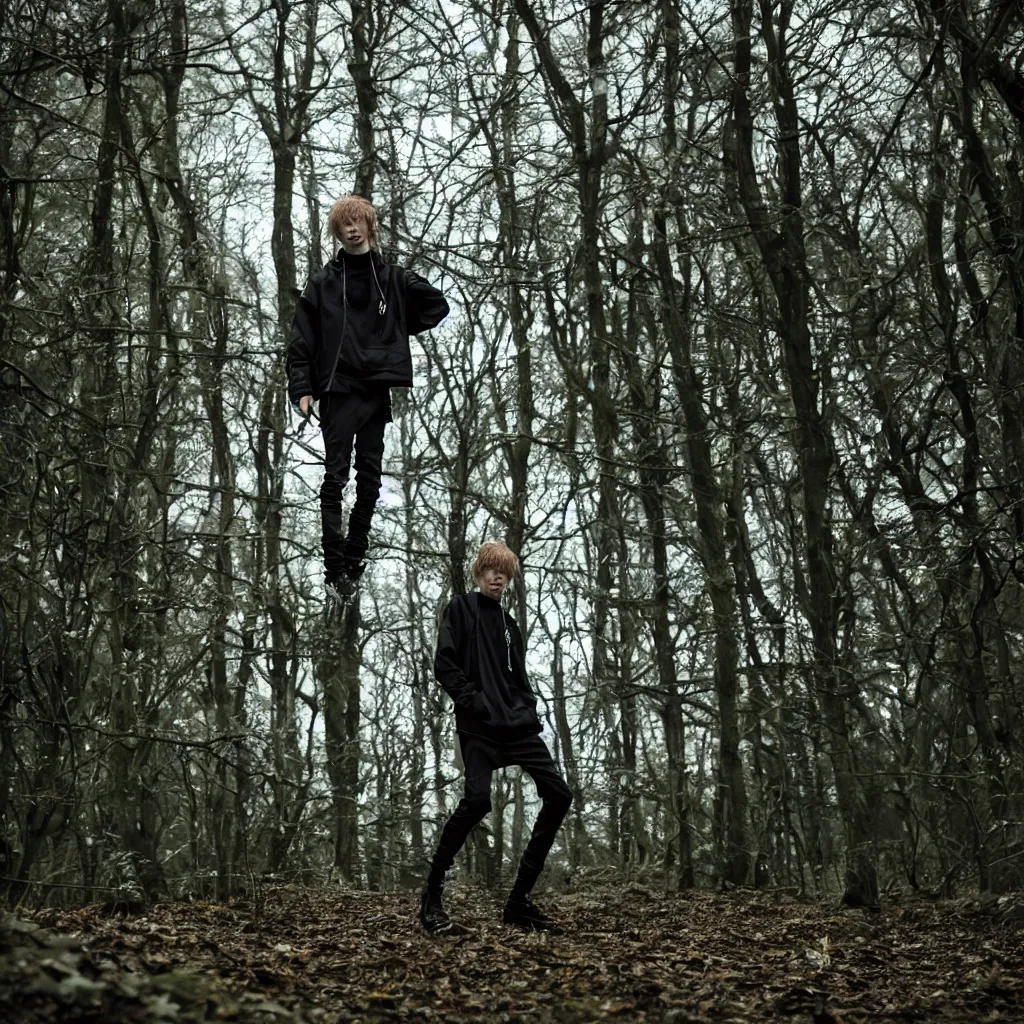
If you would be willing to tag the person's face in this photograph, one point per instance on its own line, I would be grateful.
(492, 582)
(355, 236)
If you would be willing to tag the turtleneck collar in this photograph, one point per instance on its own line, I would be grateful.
(355, 261)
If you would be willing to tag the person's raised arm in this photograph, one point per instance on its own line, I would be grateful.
(425, 305)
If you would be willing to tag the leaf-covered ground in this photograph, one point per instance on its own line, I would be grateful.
(629, 954)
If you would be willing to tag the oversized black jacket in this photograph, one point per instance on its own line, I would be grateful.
(333, 342)
(462, 672)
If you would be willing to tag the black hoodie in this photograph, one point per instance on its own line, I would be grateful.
(338, 335)
(472, 663)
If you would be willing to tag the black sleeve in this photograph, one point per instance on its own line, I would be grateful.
(302, 347)
(425, 306)
(447, 669)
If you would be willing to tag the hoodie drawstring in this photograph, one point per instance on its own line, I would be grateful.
(508, 639)
(382, 306)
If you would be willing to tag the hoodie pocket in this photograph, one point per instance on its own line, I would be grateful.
(518, 715)
(371, 348)
(480, 707)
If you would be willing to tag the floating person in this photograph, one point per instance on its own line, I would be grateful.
(480, 662)
(349, 348)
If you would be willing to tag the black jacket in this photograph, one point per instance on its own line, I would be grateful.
(484, 705)
(331, 340)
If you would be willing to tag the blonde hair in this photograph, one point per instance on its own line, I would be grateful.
(495, 555)
(353, 208)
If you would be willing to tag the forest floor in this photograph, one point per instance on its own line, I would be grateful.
(629, 953)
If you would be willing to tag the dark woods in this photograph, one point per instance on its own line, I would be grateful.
(735, 365)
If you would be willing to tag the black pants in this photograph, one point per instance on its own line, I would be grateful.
(346, 421)
(481, 757)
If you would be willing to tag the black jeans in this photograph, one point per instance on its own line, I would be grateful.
(481, 757)
(348, 420)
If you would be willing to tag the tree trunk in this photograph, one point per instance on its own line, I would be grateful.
(784, 258)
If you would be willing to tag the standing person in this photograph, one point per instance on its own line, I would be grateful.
(349, 347)
(480, 662)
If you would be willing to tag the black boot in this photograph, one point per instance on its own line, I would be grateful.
(341, 586)
(352, 570)
(522, 912)
(334, 588)
(432, 913)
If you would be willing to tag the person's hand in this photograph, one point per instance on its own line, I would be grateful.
(305, 404)
(480, 708)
